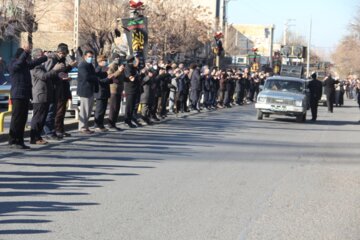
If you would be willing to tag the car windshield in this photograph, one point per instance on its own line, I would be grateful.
(284, 85)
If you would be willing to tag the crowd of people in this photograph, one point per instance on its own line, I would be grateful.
(152, 91)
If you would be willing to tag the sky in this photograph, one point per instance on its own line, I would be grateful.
(330, 18)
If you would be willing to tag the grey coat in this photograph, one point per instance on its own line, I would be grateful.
(42, 87)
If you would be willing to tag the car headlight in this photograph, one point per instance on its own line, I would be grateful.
(299, 103)
(261, 99)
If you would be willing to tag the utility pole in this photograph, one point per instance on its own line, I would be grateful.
(308, 50)
(76, 23)
(286, 28)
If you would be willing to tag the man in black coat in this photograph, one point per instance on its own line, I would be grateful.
(102, 95)
(195, 92)
(315, 87)
(54, 126)
(132, 86)
(329, 85)
(147, 96)
(20, 75)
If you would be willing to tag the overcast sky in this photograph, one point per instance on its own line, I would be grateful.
(330, 18)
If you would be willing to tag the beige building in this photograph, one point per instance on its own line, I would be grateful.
(55, 23)
(243, 38)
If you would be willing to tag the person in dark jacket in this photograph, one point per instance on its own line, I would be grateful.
(195, 87)
(207, 86)
(329, 84)
(315, 87)
(165, 83)
(102, 95)
(41, 96)
(132, 85)
(147, 95)
(21, 93)
(54, 125)
(116, 68)
(182, 81)
(86, 88)
(156, 89)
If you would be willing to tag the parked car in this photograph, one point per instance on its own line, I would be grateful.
(283, 96)
(75, 99)
(5, 86)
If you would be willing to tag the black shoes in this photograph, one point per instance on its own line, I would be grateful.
(113, 127)
(19, 147)
(130, 124)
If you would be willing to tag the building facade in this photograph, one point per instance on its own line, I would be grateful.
(55, 24)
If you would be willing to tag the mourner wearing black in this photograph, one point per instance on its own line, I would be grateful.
(315, 87)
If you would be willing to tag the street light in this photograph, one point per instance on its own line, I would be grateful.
(286, 28)
(76, 23)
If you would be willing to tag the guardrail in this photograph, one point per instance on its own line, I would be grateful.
(7, 113)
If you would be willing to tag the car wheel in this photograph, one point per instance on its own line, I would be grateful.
(259, 114)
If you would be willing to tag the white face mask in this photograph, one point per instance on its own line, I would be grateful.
(89, 60)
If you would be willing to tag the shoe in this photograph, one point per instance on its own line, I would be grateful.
(60, 135)
(65, 134)
(19, 147)
(52, 137)
(86, 131)
(137, 123)
(39, 142)
(114, 127)
(130, 124)
(101, 129)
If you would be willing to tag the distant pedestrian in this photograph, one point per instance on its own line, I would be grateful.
(315, 87)
(329, 84)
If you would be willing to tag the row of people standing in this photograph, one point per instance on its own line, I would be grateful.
(157, 89)
(43, 79)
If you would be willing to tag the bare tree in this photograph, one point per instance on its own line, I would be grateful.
(98, 23)
(16, 16)
(346, 56)
(175, 27)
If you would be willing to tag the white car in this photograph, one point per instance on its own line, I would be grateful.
(283, 96)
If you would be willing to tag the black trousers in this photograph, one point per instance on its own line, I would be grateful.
(18, 121)
(145, 111)
(314, 108)
(330, 99)
(40, 111)
(130, 106)
(155, 106)
(60, 116)
(115, 103)
(100, 110)
(164, 100)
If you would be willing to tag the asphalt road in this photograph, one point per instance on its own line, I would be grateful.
(216, 175)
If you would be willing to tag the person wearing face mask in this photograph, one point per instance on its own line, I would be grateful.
(86, 88)
(103, 94)
(54, 126)
(19, 69)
